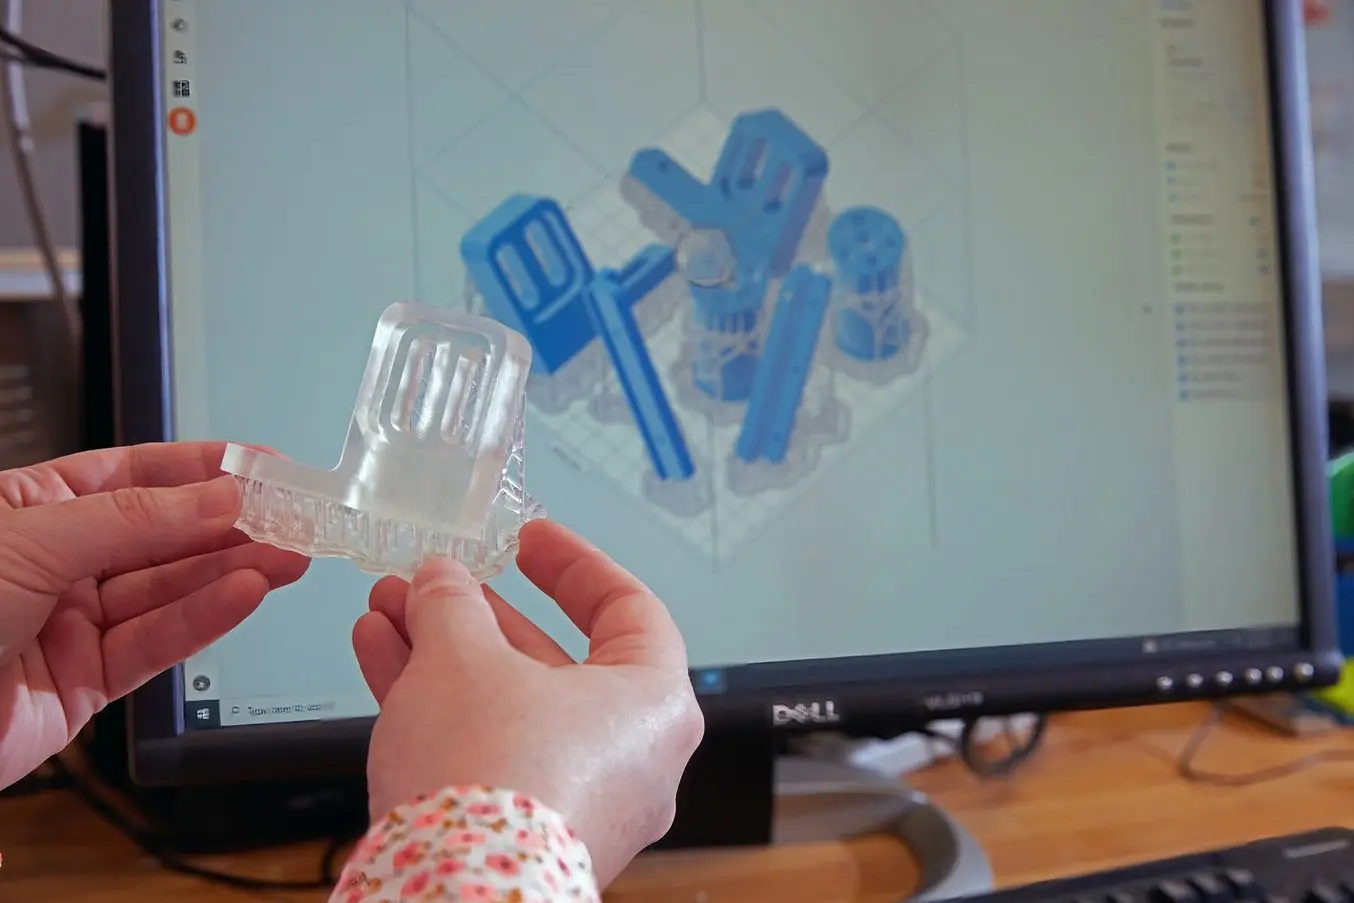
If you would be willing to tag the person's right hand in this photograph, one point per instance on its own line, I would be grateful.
(472, 693)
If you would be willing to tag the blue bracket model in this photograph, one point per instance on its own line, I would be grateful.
(615, 323)
(533, 273)
(768, 179)
(782, 374)
(867, 247)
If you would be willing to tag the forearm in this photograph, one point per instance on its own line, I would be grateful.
(469, 843)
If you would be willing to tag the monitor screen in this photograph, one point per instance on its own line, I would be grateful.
(935, 330)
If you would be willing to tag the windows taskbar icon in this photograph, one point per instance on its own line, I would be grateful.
(708, 680)
(201, 714)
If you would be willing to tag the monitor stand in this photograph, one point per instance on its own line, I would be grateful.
(817, 801)
(738, 792)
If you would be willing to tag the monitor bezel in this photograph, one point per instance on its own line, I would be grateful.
(164, 754)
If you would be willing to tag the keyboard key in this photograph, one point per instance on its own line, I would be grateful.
(1172, 891)
(1211, 888)
(1241, 880)
(1324, 893)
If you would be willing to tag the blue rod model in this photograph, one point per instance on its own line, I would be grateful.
(662, 434)
(644, 272)
(778, 385)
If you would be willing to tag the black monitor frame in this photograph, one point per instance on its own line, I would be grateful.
(897, 695)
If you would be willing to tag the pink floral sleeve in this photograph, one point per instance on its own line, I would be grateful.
(469, 843)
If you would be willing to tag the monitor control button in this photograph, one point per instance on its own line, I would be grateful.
(1303, 671)
(1194, 681)
(1254, 676)
(1223, 678)
(1274, 673)
(1165, 684)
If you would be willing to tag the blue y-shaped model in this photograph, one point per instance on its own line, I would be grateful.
(765, 186)
(783, 372)
(535, 277)
(868, 249)
(533, 273)
(766, 183)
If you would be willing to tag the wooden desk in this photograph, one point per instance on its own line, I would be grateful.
(1103, 792)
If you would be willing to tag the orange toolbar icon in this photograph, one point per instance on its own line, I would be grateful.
(182, 121)
(1316, 12)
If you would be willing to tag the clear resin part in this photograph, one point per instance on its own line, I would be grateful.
(434, 460)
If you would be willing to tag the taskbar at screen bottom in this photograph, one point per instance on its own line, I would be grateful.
(762, 677)
(210, 714)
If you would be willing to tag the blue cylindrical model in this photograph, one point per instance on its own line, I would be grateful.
(869, 250)
(725, 318)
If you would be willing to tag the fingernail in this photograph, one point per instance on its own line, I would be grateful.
(218, 498)
(442, 570)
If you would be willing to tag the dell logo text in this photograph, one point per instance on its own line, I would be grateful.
(806, 713)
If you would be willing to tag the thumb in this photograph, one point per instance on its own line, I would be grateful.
(120, 531)
(446, 612)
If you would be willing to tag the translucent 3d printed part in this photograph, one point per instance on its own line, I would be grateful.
(434, 460)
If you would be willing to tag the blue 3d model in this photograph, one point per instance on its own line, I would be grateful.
(869, 250)
(663, 439)
(778, 385)
(533, 273)
(764, 316)
(725, 357)
(763, 192)
(535, 277)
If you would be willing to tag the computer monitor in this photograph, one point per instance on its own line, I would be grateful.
(959, 358)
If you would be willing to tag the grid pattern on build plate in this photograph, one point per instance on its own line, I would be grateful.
(617, 451)
(611, 232)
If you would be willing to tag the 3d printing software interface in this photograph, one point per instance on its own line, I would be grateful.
(932, 325)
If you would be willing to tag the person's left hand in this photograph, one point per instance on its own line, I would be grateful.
(115, 565)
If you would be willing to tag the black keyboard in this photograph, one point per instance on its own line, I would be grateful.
(1317, 867)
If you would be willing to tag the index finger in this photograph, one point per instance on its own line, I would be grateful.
(625, 623)
(152, 465)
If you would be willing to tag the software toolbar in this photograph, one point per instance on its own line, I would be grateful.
(1217, 204)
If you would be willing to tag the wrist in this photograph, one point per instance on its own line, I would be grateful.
(472, 836)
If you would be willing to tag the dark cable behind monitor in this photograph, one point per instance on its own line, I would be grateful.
(1186, 767)
(159, 849)
(977, 756)
(18, 50)
(978, 760)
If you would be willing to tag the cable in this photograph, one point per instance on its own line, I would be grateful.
(39, 781)
(1019, 749)
(12, 56)
(970, 750)
(46, 59)
(169, 860)
(1184, 763)
(970, 741)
